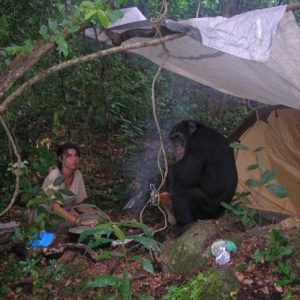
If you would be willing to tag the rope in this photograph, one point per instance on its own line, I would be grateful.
(155, 198)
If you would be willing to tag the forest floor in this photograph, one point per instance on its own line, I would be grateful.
(256, 280)
(62, 271)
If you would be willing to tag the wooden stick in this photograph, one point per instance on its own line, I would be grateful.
(293, 6)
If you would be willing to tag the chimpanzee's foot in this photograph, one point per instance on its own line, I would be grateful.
(178, 230)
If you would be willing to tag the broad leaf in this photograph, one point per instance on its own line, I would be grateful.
(37, 201)
(240, 146)
(58, 181)
(73, 28)
(103, 18)
(260, 162)
(148, 243)
(90, 14)
(252, 167)
(99, 242)
(103, 281)
(268, 176)
(44, 31)
(62, 46)
(105, 255)
(52, 25)
(147, 266)
(136, 224)
(58, 196)
(230, 208)
(66, 192)
(252, 182)
(114, 15)
(118, 232)
(277, 190)
(98, 231)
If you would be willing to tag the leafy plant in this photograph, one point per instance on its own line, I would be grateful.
(239, 207)
(40, 206)
(55, 271)
(98, 13)
(266, 176)
(102, 234)
(276, 254)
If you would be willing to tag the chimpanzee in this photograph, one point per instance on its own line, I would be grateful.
(203, 175)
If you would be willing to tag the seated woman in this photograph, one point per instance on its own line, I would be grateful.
(68, 156)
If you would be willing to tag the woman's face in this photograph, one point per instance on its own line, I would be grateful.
(70, 159)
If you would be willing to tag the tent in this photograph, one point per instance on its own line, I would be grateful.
(276, 128)
(254, 56)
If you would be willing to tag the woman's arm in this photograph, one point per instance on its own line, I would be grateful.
(71, 218)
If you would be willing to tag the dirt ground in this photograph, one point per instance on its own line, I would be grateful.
(256, 280)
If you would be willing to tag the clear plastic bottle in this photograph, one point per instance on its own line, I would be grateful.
(219, 251)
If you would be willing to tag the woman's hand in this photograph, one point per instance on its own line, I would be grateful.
(91, 222)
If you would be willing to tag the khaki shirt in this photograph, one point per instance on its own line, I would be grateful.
(77, 187)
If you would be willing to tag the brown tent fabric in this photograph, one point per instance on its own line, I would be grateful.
(280, 135)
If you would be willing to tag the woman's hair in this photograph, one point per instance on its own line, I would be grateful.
(63, 149)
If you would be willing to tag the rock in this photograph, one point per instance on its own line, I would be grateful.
(191, 250)
(6, 231)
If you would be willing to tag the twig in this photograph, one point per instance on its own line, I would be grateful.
(198, 9)
(72, 246)
(21, 282)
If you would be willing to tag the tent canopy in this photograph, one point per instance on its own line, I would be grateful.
(252, 56)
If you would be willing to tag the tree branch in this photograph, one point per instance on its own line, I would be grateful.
(81, 60)
(17, 171)
(25, 61)
(293, 6)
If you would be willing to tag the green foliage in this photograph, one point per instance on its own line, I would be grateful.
(183, 9)
(34, 267)
(288, 295)
(102, 234)
(39, 207)
(98, 13)
(16, 49)
(240, 210)
(265, 180)
(203, 286)
(55, 271)
(267, 176)
(30, 171)
(276, 253)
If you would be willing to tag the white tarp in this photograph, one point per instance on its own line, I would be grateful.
(268, 39)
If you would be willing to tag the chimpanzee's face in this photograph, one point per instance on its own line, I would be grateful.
(178, 143)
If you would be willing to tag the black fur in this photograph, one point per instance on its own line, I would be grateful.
(205, 176)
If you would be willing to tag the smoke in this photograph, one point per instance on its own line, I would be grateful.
(144, 167)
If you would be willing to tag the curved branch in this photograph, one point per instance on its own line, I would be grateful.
(81, 60)
(17, 171)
